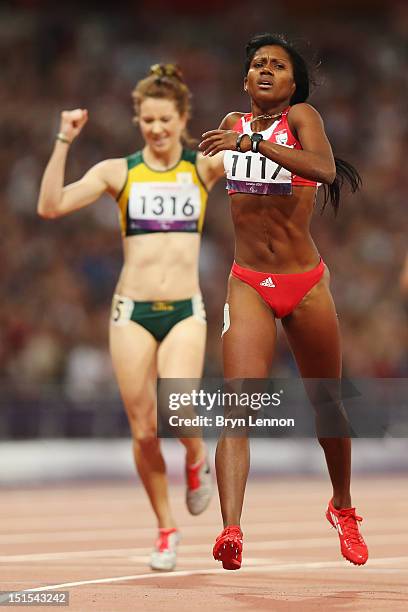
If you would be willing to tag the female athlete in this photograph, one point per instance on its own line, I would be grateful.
(275, 158)
(158, 325)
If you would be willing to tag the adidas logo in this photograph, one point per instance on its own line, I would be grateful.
(268, 282)
(336, 523)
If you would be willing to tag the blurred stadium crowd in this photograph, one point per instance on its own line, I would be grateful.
(57, 277)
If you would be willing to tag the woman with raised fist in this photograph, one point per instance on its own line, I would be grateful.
(158, 324)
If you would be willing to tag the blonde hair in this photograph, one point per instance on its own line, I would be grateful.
(165, 81)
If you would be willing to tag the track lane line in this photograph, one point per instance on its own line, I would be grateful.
(258, 568)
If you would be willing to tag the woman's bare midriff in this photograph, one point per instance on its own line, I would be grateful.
(272, 232)
(162, 266)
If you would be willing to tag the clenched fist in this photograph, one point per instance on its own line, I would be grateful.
(72, 122)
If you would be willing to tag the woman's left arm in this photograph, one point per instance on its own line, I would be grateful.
(314, 162)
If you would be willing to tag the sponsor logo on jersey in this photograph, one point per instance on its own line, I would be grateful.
(162, 306)
(281, 137)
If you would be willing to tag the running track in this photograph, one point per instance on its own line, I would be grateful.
(94, 540)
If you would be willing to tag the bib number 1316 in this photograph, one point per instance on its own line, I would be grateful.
(166, 201)
(158, 206)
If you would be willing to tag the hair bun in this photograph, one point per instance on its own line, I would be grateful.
(167, 70)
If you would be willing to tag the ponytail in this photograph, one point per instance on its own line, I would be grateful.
(344, 172)
(165, 81)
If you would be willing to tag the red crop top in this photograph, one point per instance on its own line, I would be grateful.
(254, 173)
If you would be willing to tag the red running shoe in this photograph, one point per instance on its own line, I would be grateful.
(345, 521)
(228, 548)
(199, 486)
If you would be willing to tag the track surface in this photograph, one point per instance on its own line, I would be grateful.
(100, 536)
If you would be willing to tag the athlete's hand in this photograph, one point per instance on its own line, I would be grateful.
(72, 122)
(215, 141)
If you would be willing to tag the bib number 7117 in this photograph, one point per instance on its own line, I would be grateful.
(255, 167)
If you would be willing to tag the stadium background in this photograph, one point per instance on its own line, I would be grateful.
(57, 277)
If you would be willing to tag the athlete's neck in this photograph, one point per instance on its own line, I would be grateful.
(162, 161)
(269, 111)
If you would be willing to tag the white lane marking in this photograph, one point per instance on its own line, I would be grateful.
(129, 553)
(260, 568)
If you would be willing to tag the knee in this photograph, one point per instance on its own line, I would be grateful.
(145, 437)
(142, 423)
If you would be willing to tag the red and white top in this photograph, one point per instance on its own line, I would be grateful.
(253, 172)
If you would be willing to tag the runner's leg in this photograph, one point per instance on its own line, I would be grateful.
(313, 333)
(181, 355)
(248, 346)
(134, 353)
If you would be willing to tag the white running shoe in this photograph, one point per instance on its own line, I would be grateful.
(199, 486)
(164, 555)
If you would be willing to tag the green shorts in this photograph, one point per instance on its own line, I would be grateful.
(157, 317)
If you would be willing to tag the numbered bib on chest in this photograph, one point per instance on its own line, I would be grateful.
(254, 173)
(164, 207)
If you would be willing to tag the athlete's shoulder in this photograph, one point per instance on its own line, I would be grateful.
(109, 168)
(110, 172)
(230, 120)
(302, 111)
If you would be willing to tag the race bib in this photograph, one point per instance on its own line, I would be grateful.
(254, 173)
(164, 207)
(121, 311)
(227, 321)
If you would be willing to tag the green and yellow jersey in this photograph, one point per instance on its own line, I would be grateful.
(171, 200)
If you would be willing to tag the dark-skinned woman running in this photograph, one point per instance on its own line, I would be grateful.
(275, 158)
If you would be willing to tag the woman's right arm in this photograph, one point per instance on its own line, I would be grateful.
(211, 168)
(56, 200)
